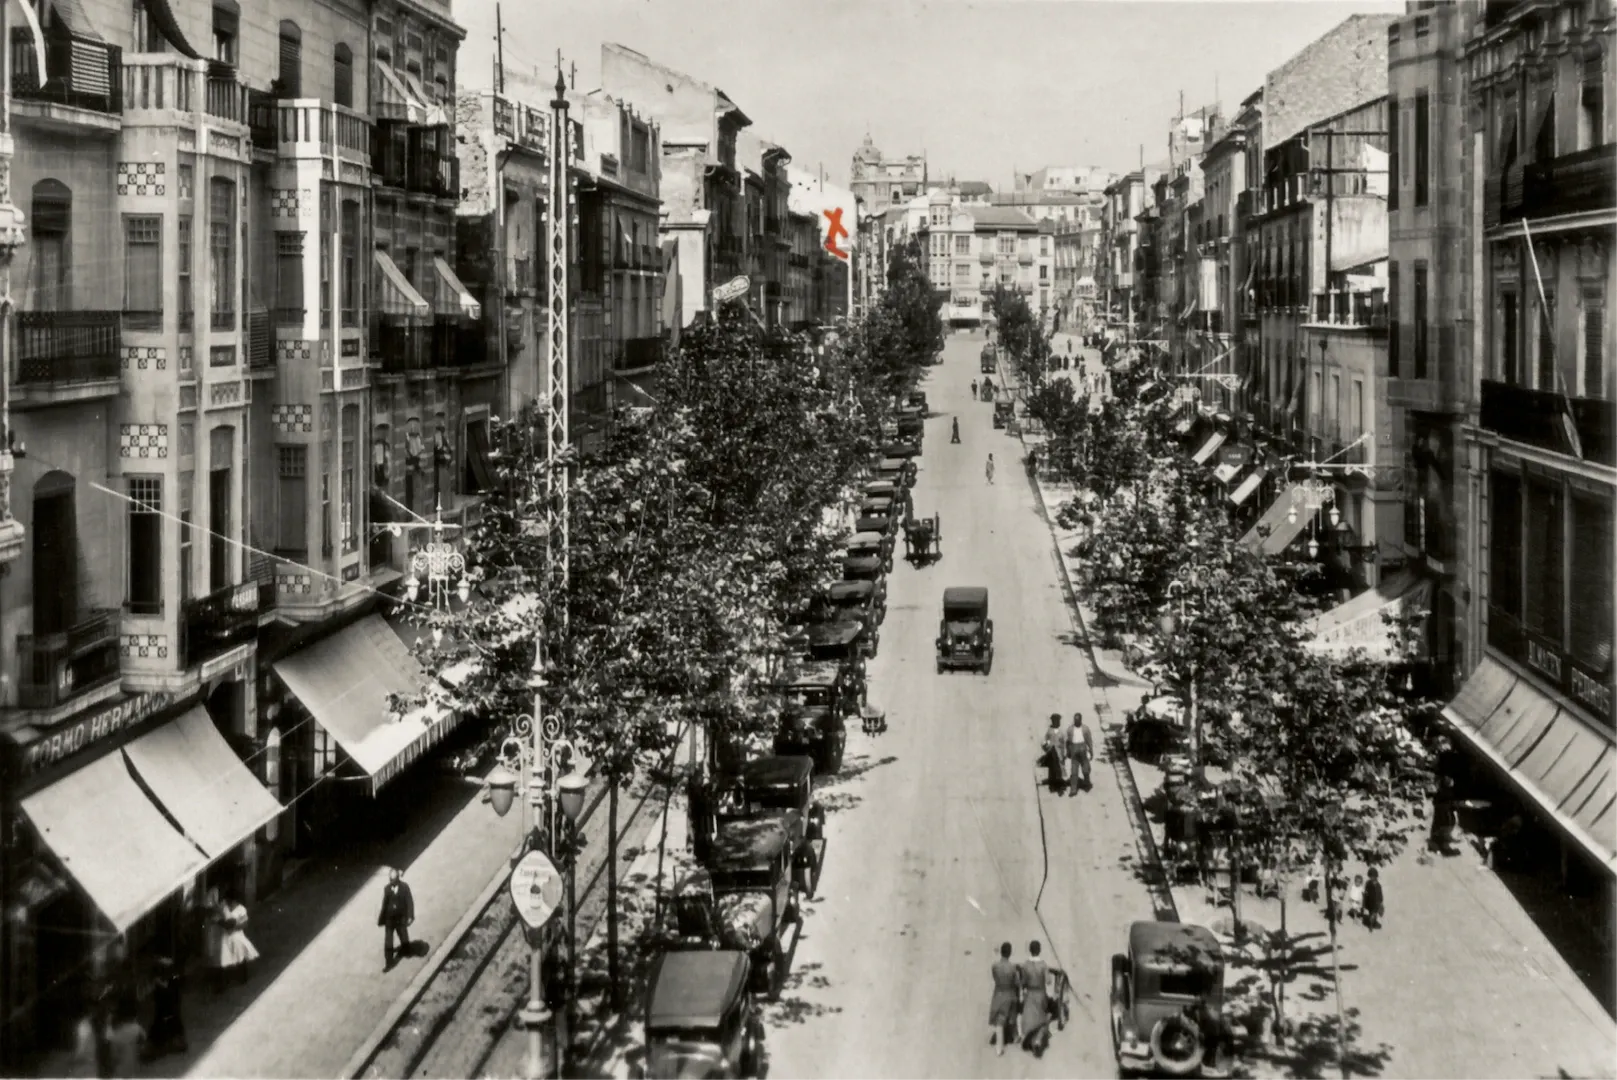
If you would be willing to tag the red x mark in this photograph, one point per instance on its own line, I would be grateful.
(835, 229)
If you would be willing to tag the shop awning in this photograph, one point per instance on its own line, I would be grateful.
(1552, 755)
(398, 295)
(194, 775)
(1360, 624)
(467, 303)
(394, 101)
(1243, 491)
(113, 840)
(1226, 472)
(1275, 530)
(1208, 448)
(344, 681)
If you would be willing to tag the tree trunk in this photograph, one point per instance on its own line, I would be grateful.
(1336, 971)
(1280, 983)
(612, 890)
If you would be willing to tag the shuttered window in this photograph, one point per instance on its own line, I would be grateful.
(1594, 345)
(289, 278)
(1593, 580)
(1392, 318)
(1546, 542)
(1505, 543)
(342, 81)
(291, 69)
(1423, 147)
(292, 498)
(143, 271)
(1392, 152)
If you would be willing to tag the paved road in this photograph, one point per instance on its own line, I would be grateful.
(935, 852)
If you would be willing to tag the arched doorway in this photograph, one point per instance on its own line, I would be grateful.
(56, 554)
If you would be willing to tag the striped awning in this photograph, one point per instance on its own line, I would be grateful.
(399, 297)
(394, 101)
(465, 302)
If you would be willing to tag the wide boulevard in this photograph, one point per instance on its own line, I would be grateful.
(937, 851)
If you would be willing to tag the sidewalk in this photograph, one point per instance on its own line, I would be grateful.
(1458, 982)
(318, 988)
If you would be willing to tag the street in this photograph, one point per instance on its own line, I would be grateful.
(935, 851)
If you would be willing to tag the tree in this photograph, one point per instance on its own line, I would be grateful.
(1021, 333)
(915, 305)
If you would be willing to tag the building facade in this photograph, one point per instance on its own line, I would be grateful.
(881, 181)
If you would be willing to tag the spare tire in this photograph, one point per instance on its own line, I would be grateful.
(1176, 1045)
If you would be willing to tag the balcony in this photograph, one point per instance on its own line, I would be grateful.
(1364, 309)
(1534, 417)
(263, 127)
(65, 356)
(55, 668)
(309, 127)
(175, 90)
(406, 344)
(82, 74)
(1572, 183)
(640, 354)
(214, 624)
(985, 256)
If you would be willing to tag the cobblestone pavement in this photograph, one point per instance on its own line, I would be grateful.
(1458, 982)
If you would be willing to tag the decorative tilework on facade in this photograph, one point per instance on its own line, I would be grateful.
(144, 646)
(143, 358)
(141, 178)
(143, 440)
(293, 419)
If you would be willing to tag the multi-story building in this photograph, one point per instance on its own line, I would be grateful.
(767, 189)
(1126, 199)
(882, 182)
(828, 273)
(1537, 442)
(701, 186)
(1223, 242)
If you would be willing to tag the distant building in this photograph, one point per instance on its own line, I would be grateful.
(882, 182)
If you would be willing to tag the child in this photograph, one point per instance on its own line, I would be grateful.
(1374, 903)
(1355, 897)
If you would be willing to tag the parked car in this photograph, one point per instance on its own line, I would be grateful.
(966, 633)
(862, 601)
(916, 399)
(902, 448)
(743, 897)
(912, 425)
(872, 545)
(1004, 412)
(896, 470)
(886, 489)
(877, 506)
(816, 704)
(701, 1018)
(990, 360)
(1170, 970)
(1156, 728)
(780, 787)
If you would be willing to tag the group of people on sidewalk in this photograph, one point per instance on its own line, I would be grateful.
(1028, 996)
(1068, 753)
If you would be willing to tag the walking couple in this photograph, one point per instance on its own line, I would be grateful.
(1070, 751)
(1029, 994)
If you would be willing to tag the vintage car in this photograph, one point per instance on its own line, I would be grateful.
(877, 506)
(743, 897)
(896, 470)
(701, 1018)
(816, 703)
(1004, 412)
(1171, 971)
(863, 567)
(966, 633)
(862, 601)
(780, 787)
(912, 425)
(887, 489)
(1157, 728)
(872, 545)
(902, 448)
(990, 360)
(916, 399)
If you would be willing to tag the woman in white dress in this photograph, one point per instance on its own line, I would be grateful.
(229, 951)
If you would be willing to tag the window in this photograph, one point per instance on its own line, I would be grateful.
(1505, 544)
(1546, 342)
(342, 76)
(1544, 143)
(1592, 104)
(143, 271)
(292, 499)
(52, 228)
(1333, 404)
(1044, 245)
(221, 529)
(144, 588)
(351, 296)
(1592, 574)
(1356, 416)
(325, 504)
(962, 244)
(226, 25)
(291, 60)
(1421, 329)
(1592, 364)
(222, 253)
(1044, 272)
(144, 34)
(187, 539)
(1423, 147)
(1509, 339)
(289, 278)
(350, 489)
(1393, 331)
(1545, 541)
(186, 295)
(1007, 244)
(325, 280)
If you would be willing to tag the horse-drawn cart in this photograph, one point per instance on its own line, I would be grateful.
(922, 539)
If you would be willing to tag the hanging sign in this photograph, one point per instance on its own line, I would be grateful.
(536, 889)
(733, 289)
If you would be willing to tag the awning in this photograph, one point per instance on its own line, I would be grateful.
(1243, 491)
(434, 113)
(468, 304)
(394, 101)
(113, 840)
(1226, 472)
(1556, 759)
(71, 15)
(1275, 530)
(398, 295)
(344, 681)
(1209, 448)
(1359, 623)
(194, 775)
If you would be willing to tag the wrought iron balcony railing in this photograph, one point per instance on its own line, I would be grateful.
(55, 668)
(80, 72)
(61, 347)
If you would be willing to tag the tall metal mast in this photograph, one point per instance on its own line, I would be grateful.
(557, 385)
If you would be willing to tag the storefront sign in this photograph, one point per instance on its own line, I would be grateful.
(536, 889)
(1591, 693)
(70, 739)
(1559, 667)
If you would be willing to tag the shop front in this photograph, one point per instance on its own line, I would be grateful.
(121, 821)
(1292, 513)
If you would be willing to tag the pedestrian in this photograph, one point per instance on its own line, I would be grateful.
(974, 389)
(988, 469)
(1081, 749)
(954, 430)
(1035, 978)
(236, 953)
(1002, 1005)
(1374, 903)
(398, 912)
(167, 1034)
(1055, 756)
(1355, 897)
(1444, 818)
(92, 1044)
(1033, 464)
(124, 1037)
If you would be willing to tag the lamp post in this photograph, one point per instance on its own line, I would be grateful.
(538, 761)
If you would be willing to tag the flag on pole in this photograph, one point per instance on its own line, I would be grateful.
(833, 206)
(1569, 424)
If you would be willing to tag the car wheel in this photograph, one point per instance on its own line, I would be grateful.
(811, 879)
(1176, 1046)
(940, 667)
(834, 766)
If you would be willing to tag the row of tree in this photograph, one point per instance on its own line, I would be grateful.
(1319, 758)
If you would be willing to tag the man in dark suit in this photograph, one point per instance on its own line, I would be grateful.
(398, 912)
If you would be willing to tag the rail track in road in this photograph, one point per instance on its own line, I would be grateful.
(453, 1020)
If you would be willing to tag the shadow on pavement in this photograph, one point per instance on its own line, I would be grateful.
(853, 769)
